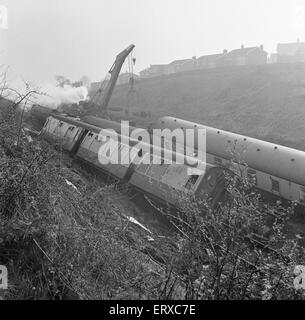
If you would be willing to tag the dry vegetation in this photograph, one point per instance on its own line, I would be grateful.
(59, 242)
(64, 235)
(72, 240)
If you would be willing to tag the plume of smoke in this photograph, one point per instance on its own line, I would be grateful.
(46, 94)
(54, 96)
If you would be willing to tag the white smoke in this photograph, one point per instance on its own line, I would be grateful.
(53, 96)
(45, 94)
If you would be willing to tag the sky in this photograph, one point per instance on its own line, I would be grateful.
(73, 38)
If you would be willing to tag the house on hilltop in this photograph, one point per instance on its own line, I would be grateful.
(291, 52)
(245, 56)
(154, 70)
(210, 61)
(181, 65)
(237, 57)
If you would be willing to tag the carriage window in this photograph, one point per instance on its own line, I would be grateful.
(275, 185)
(100, 137)
(76, 134)
(174, 144)
(191, 181)
(90, 134)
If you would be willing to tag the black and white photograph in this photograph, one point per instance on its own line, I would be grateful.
(152, 153)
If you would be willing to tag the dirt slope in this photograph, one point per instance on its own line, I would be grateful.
(266, 102)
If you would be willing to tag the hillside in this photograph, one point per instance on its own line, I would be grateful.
(68, 232)
(266, 102)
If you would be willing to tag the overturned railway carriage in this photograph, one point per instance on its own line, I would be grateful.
(276, 169)
(169, 182)
(166, 182)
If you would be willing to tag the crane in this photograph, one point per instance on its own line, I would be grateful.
(102, 97)
(99, 101)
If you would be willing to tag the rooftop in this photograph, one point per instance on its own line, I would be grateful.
(211, 56)
(243, 51)
(180, 61)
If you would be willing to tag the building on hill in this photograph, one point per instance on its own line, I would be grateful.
(145, 73)
(245, 56)
(291, 52)
(154, 70)
(242, 56)
(181, 65)
(210, 61)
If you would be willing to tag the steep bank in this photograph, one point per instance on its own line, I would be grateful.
(265, 102)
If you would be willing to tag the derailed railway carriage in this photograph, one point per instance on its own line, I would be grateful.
(164, 182)
(167, 181)
(276, 169)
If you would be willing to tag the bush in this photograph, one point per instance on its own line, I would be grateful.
(239, 250)
(63, 236)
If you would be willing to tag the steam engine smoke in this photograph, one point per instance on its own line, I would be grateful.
(55, 96)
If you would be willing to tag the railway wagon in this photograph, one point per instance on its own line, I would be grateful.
(89, 150)
(276, 169)
(169, 182)
(164, 181)
(67, 131)
(81, 140)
